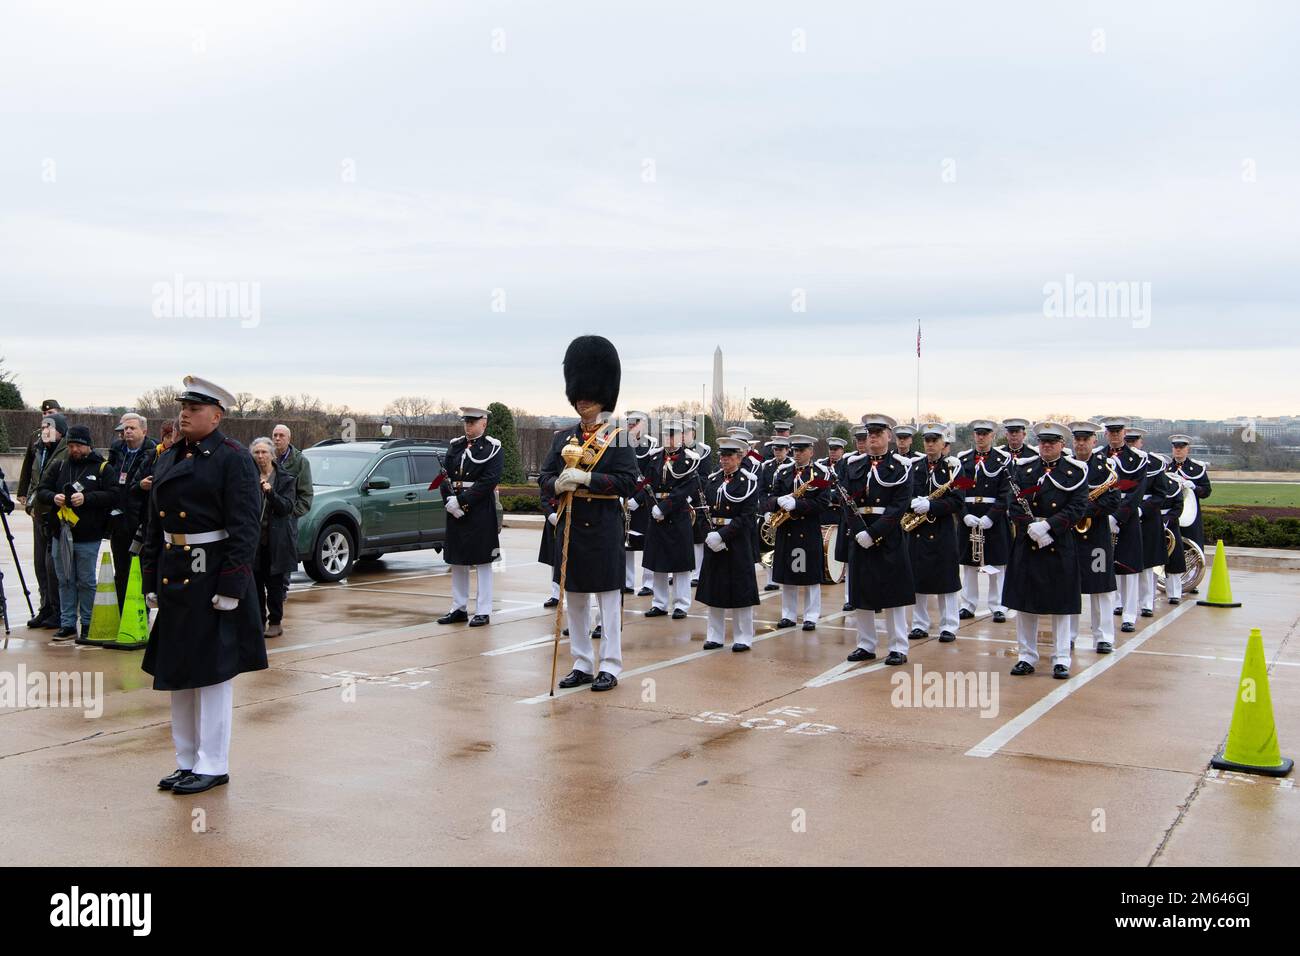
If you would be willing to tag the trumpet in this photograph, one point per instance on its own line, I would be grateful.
(977, 545)
(776, 519)
(1083, 524)
(911, 521)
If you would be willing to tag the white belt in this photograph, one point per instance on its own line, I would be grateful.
(722, 520)
(203, 537)
(866, 510)
(463, 484)
(979, 500)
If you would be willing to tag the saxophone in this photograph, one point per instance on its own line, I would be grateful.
(776, 519)
(911, 521)
(1083, 524)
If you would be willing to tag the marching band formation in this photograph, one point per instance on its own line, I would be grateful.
(1042, 527)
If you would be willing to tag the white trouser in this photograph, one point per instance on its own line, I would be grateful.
(629, 569)
(1173, 585)
(947, 612)
(555, 590)
(699, 560)
(1103, 621)
(769, 577)
(578, 615)
(742, 625)
(460, 588)
(812, 604)
(201, 719)
(970, 587)
(1127, 594)
(681, 590)
(1147, 590)
(647, 577)
(1027, 637)
(895, 629)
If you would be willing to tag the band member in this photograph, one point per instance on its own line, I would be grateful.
(704, 454)
(546, 551)
(779, 430)
(1151, 516)
(903, 437)
(196, 565)
(750, 461)
(1187, 469)
(1049, 494)
(1131, 466)
(778, 449)
(1015, 446)
(1171, 533)
(845, 540)
(594, 529)
(669, 548)
(639, 504)
(1093, 546)
(727, 577)
(985, 510)
(934, 552)
(799, 489)
(879, 568)
(473, 471)
(833, 462)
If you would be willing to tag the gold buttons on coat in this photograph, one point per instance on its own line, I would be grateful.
(168, 545)
(186, 581)
(182, 514)
(165, 581)
(162, 514)
(187, 547)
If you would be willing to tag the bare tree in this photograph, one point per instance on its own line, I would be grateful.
(823, 422)
(247, 405)
(409, 409)
(158, 402)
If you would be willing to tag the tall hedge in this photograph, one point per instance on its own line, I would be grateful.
(501, 426)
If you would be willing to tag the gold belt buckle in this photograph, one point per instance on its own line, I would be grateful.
(178, 539)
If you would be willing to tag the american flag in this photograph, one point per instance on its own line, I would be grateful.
(918, 338)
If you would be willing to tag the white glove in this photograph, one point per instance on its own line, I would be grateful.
(971, 521)
(553, 517)
(459, 512)
(632, 505)
(576, 476)
(656, 513)
(787, 502)
(453, 505)
(714, 541)
(1140, 512)
(1114, 525)
(920, 505)
(151, 600)
(1038, 530)
(986, 522)
(863, 539)
(223, 603)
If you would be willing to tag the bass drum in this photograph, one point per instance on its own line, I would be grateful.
(832, 570)
(1195, 559)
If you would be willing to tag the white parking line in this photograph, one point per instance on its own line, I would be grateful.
(847, 669)
(1211, 657)
(1008, 731)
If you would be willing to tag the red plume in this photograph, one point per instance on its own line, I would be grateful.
(437, 481)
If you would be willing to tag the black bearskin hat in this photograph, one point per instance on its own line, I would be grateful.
(592, 371)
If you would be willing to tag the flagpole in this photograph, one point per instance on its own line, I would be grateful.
(917, 420)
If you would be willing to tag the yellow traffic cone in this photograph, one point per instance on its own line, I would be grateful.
(134, 632)
(1252, 740)
(104, 620)
(1220, 591)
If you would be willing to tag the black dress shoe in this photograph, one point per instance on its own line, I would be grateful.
(597, 633)
(810, 625)
(739, 648)
(454, 617)
(895, 658)
(550, 602)
(575, 678)
(859, 654)
(1128, 627)
(848, 606)
(965, 615)
(645, 592)
(173, 778)
(628, 591)
(999, 617)
(1104, 647)
(566, 632)
(678, 614)
(480, 620)
(1119, 611)
(1193, 590)
(604, 681)
(198, 782)
(785, 622)
(63, 633)
(36, 622)
(947, 637)
(1147, 612)
(1021, 669)
(695, 582)
(1060, 671)
(711, 645)
(1175, 600)
(771, 587)
(656, 612)
(917, 634)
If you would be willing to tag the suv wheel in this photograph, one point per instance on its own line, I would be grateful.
(332, 558)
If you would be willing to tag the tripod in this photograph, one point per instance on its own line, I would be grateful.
(6, 506)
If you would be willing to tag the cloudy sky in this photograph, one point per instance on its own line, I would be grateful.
(434, 198)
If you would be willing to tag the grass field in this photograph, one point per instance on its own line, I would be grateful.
(1255, 493)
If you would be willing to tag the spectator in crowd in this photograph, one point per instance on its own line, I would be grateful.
(166, 437)
(129, 476)
(292, 461)
(45, 453)
(77, 493)
(276, 546)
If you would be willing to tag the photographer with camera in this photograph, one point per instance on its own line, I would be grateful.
(129, 476)
(79, 500)
(45, 456)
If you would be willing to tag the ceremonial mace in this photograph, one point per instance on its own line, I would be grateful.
(572, 454)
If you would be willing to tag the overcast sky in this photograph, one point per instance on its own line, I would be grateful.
(667, 175)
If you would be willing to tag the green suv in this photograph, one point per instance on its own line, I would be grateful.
(371, 497)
